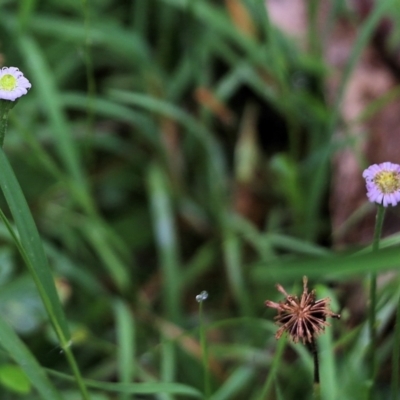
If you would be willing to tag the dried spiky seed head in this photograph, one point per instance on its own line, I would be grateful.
(302, 319)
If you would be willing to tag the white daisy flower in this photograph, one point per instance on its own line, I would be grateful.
(383, 183)
(13, 84)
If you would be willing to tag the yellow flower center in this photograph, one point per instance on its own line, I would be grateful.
(8, 82)
(388, 181)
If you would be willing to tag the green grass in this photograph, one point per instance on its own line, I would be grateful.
(162, 151)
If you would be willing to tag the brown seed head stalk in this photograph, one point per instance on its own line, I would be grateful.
(302, 319)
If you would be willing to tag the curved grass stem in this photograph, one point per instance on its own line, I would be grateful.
(203, 344)
(372, 307)
(316, 385)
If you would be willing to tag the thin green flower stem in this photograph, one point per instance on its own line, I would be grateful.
(378, 227)
(76, 372)
(3, 128)
(316, 391)
(203, 344)
(316, 385)
(64, 343)
(396, 356)
(372, 308)
(314, 350)
(3, 120)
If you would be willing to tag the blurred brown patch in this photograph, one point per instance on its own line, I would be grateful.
(241, 17)
(208, 99)
(172, 144)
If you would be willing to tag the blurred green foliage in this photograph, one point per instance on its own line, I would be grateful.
(168, 147)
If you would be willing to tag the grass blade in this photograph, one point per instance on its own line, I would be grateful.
(138, 388)
(16, 348)
(36, 261)
(31, 243)
(165, 232)
(126, 344)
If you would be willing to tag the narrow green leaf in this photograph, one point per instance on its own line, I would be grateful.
(339, 266)
(165, 236)
(232, 249)
(139, 388)
(326, 353)
(24, 358)
(126, 344)
(147, 130)
(33, 249)
(33, 254)
(49, 99)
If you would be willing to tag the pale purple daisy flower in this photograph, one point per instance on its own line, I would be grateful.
(383, 183)
(13, 84)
